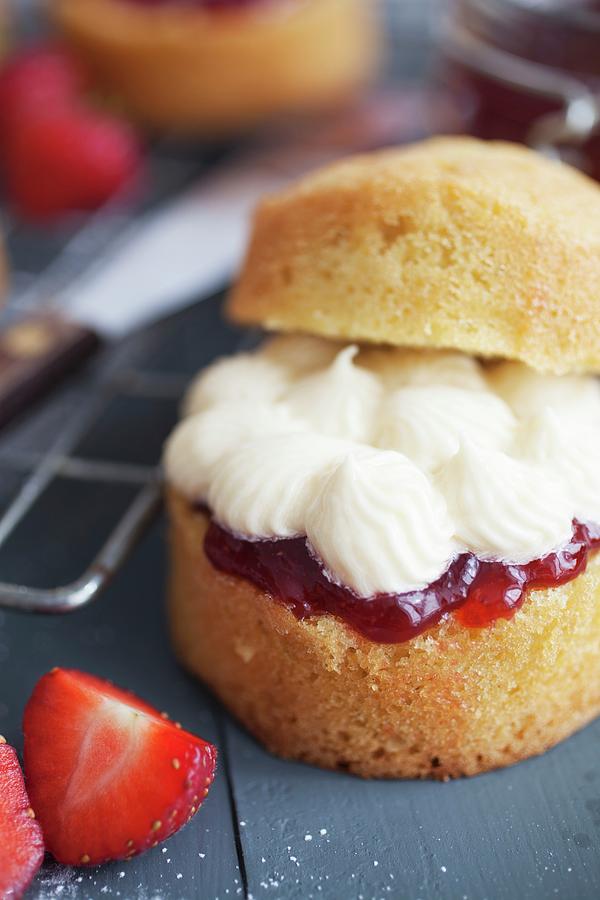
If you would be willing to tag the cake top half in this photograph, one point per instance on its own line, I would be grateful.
(488, 248)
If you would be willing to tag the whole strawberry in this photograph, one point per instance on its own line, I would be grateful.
(37, 79)
(67, 158)
(108, 775)
(58, 154)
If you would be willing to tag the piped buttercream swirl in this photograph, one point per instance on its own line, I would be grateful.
(195, 449)
(301, 353)
(405, 534)
(247, 377)
(575, 398)
(429, 423)
(390, 461)
(399, 367)
(263, 488)
(341, 400)
(504, 507)
(572, 456)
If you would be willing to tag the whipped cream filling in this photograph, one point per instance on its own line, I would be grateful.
(389, 461)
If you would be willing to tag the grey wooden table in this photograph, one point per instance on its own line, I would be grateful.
(269, 828)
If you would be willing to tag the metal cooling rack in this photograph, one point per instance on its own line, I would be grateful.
(47, 262)
(60, 462)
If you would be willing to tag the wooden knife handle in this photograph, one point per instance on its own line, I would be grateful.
(35, 353)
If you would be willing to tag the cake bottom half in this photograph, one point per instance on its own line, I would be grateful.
(453, 701)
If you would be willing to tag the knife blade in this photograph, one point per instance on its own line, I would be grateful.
(186, 250)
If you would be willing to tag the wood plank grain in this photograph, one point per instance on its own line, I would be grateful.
(123, 637)
(532, 831)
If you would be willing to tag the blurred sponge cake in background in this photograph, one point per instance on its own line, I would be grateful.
(214, 67)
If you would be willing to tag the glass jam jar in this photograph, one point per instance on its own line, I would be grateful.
(527, 70)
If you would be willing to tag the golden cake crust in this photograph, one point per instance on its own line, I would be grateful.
(454, 701)
(192, 71)
(452, 243)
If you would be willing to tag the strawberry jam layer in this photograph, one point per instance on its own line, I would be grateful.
(477, 591)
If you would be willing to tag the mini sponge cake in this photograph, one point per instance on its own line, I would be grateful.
(453, 701)
(212, 68)
(484, 247)
(487, 249)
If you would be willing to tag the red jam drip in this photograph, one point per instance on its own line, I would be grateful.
(477, 591)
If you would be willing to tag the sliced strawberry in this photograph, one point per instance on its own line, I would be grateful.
(108, 775)
(65, 159)
(21, 841)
